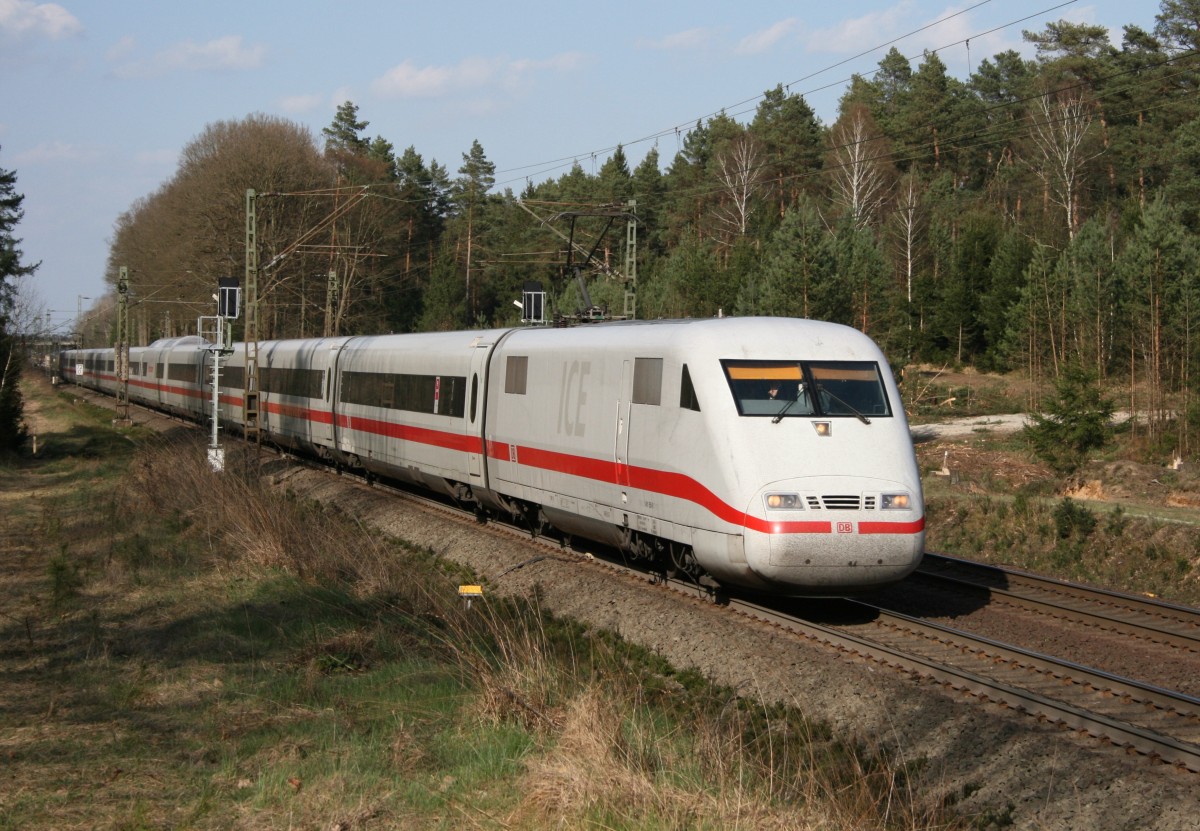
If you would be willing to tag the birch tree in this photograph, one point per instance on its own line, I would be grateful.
(860, 166)
(1060, 127)
(740, 169)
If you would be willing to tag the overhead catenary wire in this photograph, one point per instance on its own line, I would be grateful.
(564, 161)
(378, 189)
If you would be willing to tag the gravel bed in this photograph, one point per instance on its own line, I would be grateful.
(1025, 774)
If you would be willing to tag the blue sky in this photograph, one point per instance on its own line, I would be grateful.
(98, 97)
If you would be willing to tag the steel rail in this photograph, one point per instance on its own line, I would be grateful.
(1143, 740)
(1169, 623)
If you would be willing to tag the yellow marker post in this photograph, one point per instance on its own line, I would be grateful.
(469, 593)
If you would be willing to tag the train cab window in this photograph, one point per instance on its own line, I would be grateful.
(516, 374)
(790, 389)
(647, 381)
(687, 393)
(849, 388)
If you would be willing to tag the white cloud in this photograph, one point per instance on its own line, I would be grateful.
(56, 152)
(563, 62)
(407, 80)
(687, 39)
(517, 74)
(21, 17)
(763, 41)
(122, 48)
(856, 33)
(226, 53)
(410, 81)
(945, 32)
(301, 103)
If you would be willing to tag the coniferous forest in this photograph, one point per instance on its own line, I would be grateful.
(1039, 217)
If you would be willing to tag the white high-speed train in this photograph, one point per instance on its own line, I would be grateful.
(767, 453)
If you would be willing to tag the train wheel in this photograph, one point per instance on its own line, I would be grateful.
(683, 562)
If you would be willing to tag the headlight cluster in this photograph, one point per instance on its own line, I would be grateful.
(783, 502)
(795, 502)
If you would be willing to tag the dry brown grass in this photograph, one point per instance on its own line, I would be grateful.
(618, 746)
(597, 774)
(252, 525)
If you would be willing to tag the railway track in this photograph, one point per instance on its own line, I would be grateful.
(1141, 718)
(1159, 724)
(1142, 618)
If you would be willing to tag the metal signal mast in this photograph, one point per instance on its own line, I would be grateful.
(575, 267)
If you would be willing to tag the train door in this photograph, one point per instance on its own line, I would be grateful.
(621, 450)
(333, 393)
(473, 423)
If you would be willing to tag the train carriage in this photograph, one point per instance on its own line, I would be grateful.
(770, 453)
(403, 409)
(296, 380)
(176, 368)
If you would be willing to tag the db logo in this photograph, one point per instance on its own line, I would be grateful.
(845, 527)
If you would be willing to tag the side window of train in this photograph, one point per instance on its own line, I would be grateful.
(516, 374)
(687, 393)
(182, 372)
(474, 394)
(647, 381)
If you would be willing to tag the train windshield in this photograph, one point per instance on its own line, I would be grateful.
(791, 389)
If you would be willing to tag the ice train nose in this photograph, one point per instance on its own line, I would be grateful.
(835, 532)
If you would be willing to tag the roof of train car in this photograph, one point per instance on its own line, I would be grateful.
(726, 337)
(186, 340)
(790, 334)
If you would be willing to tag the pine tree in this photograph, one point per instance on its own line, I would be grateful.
(791, 136)
(345, 133)
(12, 426)
(1074, 424)
(615, 179)
(649, 189)
(476, 177)
(1159, 264)
(798, 266)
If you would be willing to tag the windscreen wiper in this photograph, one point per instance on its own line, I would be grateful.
(841, 401)
(779, 416)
